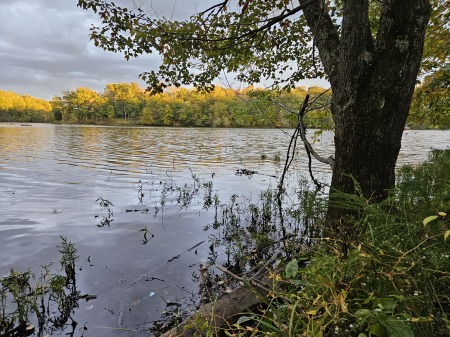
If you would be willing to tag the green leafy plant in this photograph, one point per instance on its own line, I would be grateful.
(393, 281)
(441, 216)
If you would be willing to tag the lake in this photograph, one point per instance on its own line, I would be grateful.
(51, 178)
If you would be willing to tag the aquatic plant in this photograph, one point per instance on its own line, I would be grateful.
(42, 303)
(105, 205)
(250, 230)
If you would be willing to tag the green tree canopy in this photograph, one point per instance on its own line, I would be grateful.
(260, 41)
(431, 105)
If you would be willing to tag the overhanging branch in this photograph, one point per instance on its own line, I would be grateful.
(250, 34)
(302, 131)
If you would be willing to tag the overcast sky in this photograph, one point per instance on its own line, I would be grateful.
(45, 48)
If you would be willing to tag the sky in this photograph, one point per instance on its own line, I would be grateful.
(45, 47)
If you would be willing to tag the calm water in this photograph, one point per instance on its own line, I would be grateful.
(51, 177)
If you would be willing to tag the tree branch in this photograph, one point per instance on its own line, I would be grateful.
(253, 282)
(302, 132)
(326, 36)
(400, 37)
(251, 33)
(221, 5)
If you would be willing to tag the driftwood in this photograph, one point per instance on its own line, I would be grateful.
(217, 315)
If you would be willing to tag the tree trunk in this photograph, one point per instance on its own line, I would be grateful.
(372, 80)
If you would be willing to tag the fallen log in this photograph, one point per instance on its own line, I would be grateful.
(213, 317)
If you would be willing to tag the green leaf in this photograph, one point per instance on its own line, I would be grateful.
(430, 218)
(292, 269)
(269, 326)
(398, 328)
(405, 316)
(57, 283)
(246, 284)
(300, 283)
(244, 319)
(446, 235)
(363, 313)
(386, 304)
(362, 335)
(377, 330)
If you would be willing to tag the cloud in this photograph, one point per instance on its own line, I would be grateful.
(45, 49)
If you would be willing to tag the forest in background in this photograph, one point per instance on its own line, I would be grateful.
(128, 103)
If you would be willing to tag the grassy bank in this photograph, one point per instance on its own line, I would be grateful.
(393, 282)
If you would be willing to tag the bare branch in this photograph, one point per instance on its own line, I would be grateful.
(221, 5)
(252, 282)
(302, 132)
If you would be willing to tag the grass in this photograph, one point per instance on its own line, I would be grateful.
(393, 282)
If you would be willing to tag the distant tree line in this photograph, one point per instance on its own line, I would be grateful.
(249, 107)
(128, 103)
(17, 108)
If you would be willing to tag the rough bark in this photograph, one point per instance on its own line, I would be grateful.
(326, 37)
(372, 81)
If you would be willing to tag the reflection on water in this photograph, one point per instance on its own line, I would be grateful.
(42, 304)
(51, 176)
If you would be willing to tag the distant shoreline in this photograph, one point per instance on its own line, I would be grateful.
(136, 124)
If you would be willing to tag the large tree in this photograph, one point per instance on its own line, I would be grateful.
(369, 50)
